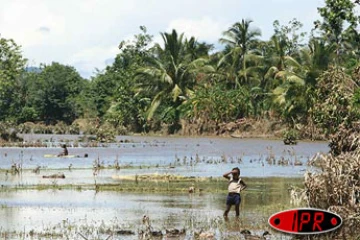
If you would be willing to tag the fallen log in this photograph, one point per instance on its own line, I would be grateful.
(57, 175)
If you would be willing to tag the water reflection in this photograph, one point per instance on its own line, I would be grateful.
(34, 208)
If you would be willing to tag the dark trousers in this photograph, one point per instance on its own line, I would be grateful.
(233, 199)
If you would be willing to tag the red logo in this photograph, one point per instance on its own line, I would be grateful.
(305, 221)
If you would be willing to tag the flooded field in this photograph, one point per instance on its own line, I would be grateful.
(96, 203)
(54, 211)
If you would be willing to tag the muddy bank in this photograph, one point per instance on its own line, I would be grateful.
(241, 128)
(247, 128)
(97, 136)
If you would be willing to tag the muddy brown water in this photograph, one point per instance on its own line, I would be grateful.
(56, 210)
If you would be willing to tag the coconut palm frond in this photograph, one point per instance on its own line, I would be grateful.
(281, 75)
(153, 106)
(296, 80)
(176, 92)
(290, 61)
(271, 72)
(279, 94)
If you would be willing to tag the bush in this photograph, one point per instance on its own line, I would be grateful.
(106, 133)
(291, 134)
(337, 186)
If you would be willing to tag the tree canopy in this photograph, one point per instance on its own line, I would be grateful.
(150, 85)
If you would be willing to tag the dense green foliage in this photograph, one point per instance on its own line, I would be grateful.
(149, 86)
(11, 68)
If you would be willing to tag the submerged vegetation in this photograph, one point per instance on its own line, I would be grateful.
(196, 223)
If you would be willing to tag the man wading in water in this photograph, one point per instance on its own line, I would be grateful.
(236, 185)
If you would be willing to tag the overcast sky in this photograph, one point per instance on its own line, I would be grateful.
(85, 33)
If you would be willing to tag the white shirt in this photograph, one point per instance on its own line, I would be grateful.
(234, 185)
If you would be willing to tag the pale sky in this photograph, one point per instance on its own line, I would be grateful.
(86, 33)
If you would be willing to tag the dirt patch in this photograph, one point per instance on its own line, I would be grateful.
(249, 128)
(242, 128)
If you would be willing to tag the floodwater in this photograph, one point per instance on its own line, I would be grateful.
(179, 152)
(52, 211)
(61, 210)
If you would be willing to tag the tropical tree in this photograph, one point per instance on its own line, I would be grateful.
(299, 77)
(28, 111)
(197, 49)
(102, 89)
(261, 73)
(54, 92)
(12, 66)
(240, 39)
(169, 76)
(338, 16)
(290, 70)
(125, 107)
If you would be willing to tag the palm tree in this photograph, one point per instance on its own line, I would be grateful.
(197, 49)
(279, 45)
(171, 74)
(240, 39)
(300, 76)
